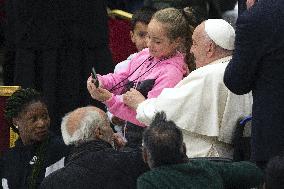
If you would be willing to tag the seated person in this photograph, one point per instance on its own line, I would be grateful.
(164, 151)
(159, 66)
(26, 164)
(93, 161)
(138, 34)
(274, 173)
(201, 105)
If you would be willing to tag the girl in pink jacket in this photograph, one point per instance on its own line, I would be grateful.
(159, 66)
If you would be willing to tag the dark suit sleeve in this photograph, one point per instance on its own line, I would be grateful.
(253, 38)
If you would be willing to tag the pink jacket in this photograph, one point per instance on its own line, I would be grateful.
(162, 73)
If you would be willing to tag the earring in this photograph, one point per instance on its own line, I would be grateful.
(16, 126)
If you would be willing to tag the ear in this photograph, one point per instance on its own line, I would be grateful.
(15, 121)
(98, 133)
(145, 155)
(132, 36)
(211, 48)
(177, 42)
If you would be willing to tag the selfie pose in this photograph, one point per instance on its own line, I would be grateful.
(159, 66)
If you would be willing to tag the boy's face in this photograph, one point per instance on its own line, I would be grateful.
(139, 35)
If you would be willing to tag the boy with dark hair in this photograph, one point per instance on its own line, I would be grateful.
(139, 24)
(138, 34)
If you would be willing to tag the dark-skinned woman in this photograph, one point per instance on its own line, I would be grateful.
(36, 150)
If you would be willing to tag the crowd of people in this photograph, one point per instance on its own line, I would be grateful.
(172, 108)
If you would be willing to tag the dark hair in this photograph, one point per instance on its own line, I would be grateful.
(18, 101)
(143, 15)
(274, 173)
(164, 142)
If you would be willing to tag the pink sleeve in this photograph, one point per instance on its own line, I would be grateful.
(110, 80)
(119, 109)
(168, 78)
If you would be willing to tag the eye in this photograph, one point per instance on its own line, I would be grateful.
(34, 118)
(142, 34)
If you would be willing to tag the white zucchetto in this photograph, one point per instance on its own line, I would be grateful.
(221, 32)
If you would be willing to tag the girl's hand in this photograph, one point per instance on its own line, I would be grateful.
(133, 98)
(99, 93)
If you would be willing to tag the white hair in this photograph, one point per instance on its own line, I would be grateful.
(87, 125)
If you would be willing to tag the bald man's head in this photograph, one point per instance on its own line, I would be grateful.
(85, 124)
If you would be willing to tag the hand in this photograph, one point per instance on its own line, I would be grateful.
(250, 3)
(99, 93)
(133, 98)
(117, 121)
(118, 140)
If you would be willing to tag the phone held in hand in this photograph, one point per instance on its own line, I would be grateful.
(94, 76)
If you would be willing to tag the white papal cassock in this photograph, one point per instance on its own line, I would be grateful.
(203, 108)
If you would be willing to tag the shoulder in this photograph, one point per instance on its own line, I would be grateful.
(139, 57)
(173, 65)
(210, 71)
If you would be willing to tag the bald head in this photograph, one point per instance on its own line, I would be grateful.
(83, 124)
(212, 39)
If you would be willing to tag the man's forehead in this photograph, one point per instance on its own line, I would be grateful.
(199, 30)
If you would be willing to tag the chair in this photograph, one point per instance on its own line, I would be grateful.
(241, 139)
(7, 136)
(120, 43)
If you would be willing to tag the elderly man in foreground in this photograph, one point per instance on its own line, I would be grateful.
(200, 104)
(94, 163)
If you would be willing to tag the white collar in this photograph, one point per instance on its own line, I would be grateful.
(221, 60)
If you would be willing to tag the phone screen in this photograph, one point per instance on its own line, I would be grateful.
(94, 76)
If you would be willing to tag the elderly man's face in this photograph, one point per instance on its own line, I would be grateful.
(199, 46)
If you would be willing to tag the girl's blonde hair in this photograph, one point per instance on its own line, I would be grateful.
(180, 23)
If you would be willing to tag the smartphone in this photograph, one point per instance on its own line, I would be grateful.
(94, 76)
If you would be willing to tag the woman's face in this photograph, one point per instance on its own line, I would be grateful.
(33, 123)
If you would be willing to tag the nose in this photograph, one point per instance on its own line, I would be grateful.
(41, 123)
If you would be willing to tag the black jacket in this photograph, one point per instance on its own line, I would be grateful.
(258, 66)
(53, 45)
(17, 164)
(97, 165)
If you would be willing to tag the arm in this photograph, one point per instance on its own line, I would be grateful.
(190, 102)
(165, 79)
(110, 80)
(253, 37)
(169, 77)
